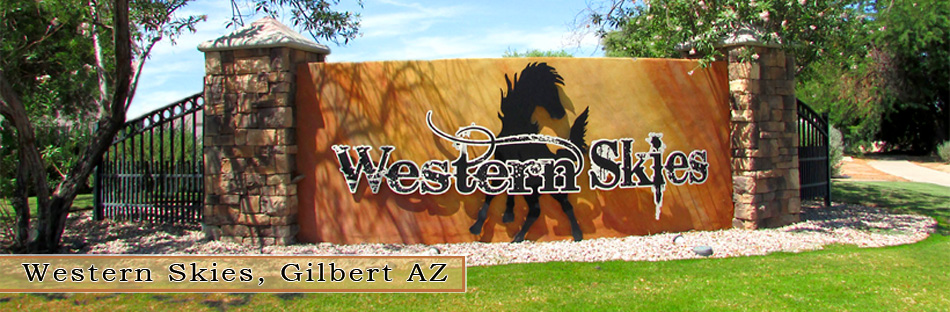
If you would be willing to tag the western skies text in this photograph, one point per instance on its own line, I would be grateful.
(614, 163)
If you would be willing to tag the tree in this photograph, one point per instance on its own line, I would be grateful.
(60, 56)
(808, 29)
(916, 36)
(880, 68)
(53, 204)
(49, 74)
(895, 89)
(537, 53)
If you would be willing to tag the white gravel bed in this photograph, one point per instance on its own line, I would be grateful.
(842, 224)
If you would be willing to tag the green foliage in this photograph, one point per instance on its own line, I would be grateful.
(49, 57)
(537, 53)
(850, 99)
(809, 29)
(70, 64)
(318, 17)
(916, 35)
(943, 150)
(894, 89)
(835, 151)
(54, 78)
(878, 67)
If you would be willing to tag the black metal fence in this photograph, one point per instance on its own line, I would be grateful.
(154, 169)
(813, 161)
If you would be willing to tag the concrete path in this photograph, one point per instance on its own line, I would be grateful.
(910, 171)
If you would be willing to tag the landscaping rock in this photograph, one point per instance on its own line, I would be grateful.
(841, 224)
(704, 251)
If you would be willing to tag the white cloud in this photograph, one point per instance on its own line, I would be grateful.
(489, 44)
(414, 18)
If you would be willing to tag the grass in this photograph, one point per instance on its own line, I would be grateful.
(82, 201)
(838, 278)
(903, 197)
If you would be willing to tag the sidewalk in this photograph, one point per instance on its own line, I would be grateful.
(910, 171)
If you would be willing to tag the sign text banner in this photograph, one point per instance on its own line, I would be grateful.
(642, 115)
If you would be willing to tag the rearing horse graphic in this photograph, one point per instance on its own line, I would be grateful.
(537, 87)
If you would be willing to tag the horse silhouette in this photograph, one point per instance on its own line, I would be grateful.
(537, 87)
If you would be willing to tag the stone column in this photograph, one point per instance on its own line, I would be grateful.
(764, 133)
(249, 133)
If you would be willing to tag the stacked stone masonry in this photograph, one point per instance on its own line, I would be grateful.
(764, 137)
(250, 144)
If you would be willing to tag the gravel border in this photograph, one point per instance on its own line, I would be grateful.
(841, 224)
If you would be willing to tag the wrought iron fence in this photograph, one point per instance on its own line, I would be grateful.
(813, 162)
(154, 169)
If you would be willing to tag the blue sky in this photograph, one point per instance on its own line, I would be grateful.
(391, 30)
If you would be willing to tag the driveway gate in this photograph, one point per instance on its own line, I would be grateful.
(813, 164)
(154, 169)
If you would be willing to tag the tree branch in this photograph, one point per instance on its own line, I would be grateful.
(100, 68)
(138, 71)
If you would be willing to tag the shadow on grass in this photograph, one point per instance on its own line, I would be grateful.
(53, 296)
(289, 296)
(170, 299)
(901, 197)
(231, 301)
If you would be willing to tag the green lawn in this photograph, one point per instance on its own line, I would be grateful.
(905, 197)
(82, 201)
(839, 278)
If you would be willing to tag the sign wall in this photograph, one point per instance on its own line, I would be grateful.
(511, 149)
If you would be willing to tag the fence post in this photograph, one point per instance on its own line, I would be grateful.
(827, 143)
(250, 133)
(97, 213)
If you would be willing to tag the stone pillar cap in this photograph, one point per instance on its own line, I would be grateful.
(741, 37)
(264, 33)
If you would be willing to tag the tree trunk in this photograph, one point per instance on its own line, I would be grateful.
(30, 161)
(51, 230)
(22, 207)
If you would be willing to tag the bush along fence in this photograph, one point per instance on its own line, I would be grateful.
(296, 149)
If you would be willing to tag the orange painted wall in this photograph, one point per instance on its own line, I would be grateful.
(385, 103)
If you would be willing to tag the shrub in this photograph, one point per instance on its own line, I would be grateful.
(835, 151)
(943, 150)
